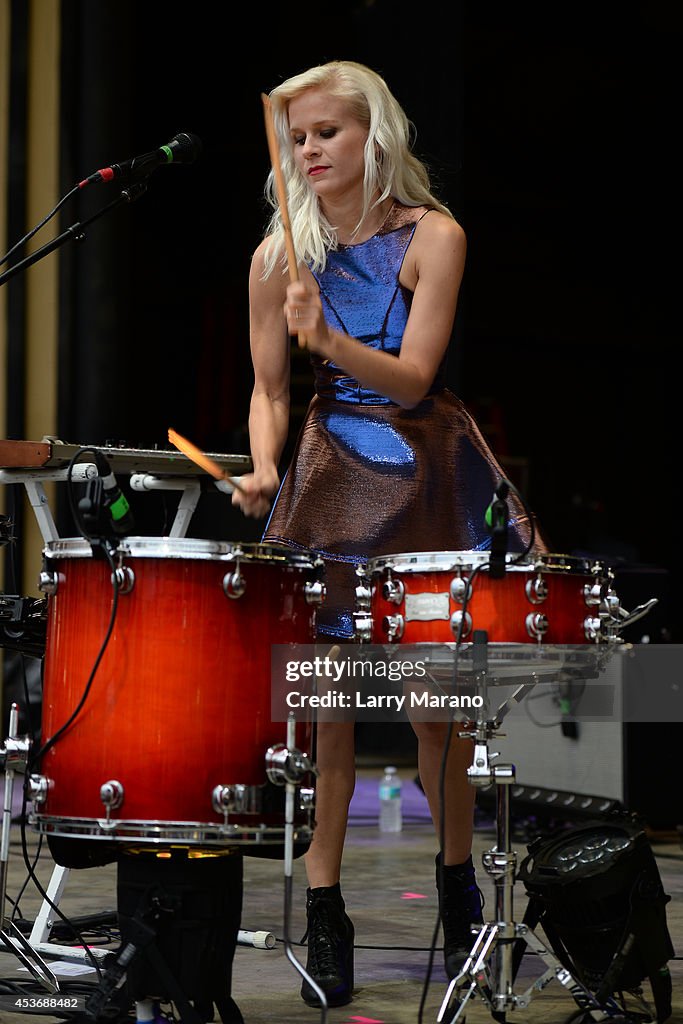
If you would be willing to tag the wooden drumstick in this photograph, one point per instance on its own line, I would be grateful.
(274, 150)
(200, 459)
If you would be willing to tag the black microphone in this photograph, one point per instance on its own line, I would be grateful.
(496, 518)
(115, 501)
(184, 148)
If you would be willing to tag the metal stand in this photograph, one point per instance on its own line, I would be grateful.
(489, 970)
(14, 752)
(287, 766)
(14, 755)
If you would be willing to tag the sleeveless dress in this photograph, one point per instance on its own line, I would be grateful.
(367, 477)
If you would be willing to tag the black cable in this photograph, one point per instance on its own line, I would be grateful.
(42, 223)
(112, 618)
(32, 875)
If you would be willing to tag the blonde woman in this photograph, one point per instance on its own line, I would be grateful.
(388, 459)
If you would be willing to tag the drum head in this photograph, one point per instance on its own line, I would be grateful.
(463, 561)
(187, 548)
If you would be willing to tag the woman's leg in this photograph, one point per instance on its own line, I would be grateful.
(460, 902)
(330, 930)
(459, 793)
(336, 763)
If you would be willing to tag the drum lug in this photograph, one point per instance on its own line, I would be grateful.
(592, 628)
(38, 788)
(314, 591)
(611, 605)
(48, 582)
(111, 795)
(234, 584)
(456, 619)
(362, 627)
(393, 591)
(536, 625)
(306, 798)
(393, 626)
(225, 799)
(123, 579)
(363, 589)
(461, 589)
(592, 594)
(284, 765)
(536, 590)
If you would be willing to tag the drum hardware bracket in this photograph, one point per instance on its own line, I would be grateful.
(35, 492)
(227, 799)
(456, 619)
(496, 941)
(123, 577)
(393, 626)
(628, 618)
(314, 591)
(285, 765)
(111, 795)
(189, 499)
(234, 583)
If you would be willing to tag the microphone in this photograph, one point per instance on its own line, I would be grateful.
(184, 148)
(115, 501)
(496, 518)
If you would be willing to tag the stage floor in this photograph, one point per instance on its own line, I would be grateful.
(388, 884)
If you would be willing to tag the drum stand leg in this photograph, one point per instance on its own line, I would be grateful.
(287, 765)
(489, 971)
(15, 755)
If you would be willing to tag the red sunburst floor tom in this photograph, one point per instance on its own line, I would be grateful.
(173, 723)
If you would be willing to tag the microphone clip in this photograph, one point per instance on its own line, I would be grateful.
(93, 512)
(104, 509)
(497, 516)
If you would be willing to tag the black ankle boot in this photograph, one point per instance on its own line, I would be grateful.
(460, 906)
(330, 947)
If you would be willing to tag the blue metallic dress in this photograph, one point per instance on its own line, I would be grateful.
(367, 477)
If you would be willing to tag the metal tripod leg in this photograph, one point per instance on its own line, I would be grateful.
(494, 982)
(14, 755)
(286, 765)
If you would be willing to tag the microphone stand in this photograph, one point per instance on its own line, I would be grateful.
(76, 232)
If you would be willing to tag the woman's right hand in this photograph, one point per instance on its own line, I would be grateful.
(256, 492)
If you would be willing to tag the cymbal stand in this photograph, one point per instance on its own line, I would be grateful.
(489, 971)
(14, 755)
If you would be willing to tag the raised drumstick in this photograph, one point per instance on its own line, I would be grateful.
(200, 459)
(281, 190)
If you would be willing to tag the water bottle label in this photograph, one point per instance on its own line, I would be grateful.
(389, 792)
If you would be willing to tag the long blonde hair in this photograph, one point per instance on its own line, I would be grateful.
(391, 168)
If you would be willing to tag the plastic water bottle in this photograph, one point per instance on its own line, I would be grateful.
(390, 812)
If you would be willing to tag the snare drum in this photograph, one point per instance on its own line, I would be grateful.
(170, 742)
(439, 597)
